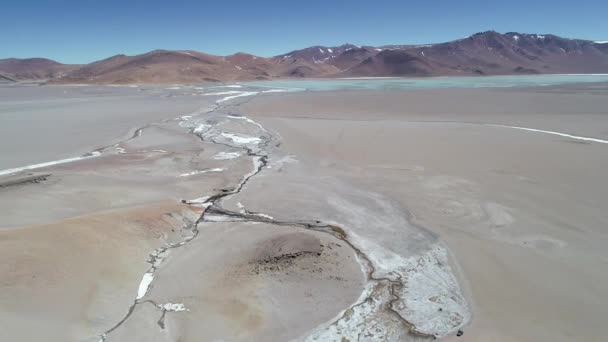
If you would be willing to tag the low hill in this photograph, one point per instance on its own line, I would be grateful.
(32, 69)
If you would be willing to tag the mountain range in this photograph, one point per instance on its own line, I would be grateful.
(484, 53)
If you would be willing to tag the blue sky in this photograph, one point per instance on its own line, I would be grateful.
(87, 30)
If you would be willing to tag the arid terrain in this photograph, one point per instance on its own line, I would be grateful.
(484, 53)
(241, 212)
(521, 210)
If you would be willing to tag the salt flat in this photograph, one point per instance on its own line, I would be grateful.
(42, 123)
(521, 211)
(310, 216)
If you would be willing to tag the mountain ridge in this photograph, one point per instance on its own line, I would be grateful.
(483, 53)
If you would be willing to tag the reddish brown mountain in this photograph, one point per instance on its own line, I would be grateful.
(14, 69)
(486, 53)
(159, 66)
(163, 66)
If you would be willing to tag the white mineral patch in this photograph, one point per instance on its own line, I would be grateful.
(280, 90)
(226, 155)
(551, 132)
(235, 96)
(264, 216)
(367, 321)
(198, 172)
(159, 256)
(228, 92)
(221, 218)
(51, 163)
(146, 280)
(257, 163)
(173, 307)
(201, 128)
(200, 200)
(248, 120)
(431, 299)
(239, 139)
(429, 285)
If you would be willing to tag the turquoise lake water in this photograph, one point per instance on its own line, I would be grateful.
(430, 83)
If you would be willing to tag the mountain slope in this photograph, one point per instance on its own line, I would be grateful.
(164, 66)
(489, 53)
(32, 69)
(159, 66)
(485, 53)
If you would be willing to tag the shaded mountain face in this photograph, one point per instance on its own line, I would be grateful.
(485, 53)
(392, 63)
(14, 69)
(317, 54)
(492, 53)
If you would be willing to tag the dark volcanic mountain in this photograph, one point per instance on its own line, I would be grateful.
(14, 69)
(486, 53)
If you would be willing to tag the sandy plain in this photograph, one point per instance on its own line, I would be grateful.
(357, 215)
(523, 212)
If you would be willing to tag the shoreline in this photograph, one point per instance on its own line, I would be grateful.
(308, 79)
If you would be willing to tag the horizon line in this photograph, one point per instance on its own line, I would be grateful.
(143, 52)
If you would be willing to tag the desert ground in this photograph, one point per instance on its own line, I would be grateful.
(230, 213)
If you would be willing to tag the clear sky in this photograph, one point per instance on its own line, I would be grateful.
(86, 30)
